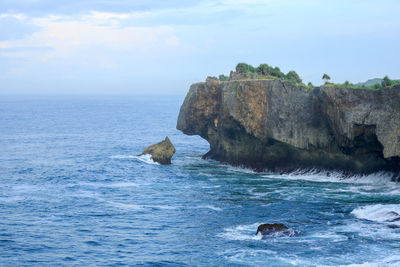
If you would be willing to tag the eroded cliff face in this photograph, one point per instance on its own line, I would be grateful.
(271, 124)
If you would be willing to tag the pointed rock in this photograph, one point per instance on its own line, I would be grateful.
(161, 152)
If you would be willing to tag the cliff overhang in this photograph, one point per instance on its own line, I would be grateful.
(275, 125)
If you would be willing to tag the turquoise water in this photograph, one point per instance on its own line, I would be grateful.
(73, 192)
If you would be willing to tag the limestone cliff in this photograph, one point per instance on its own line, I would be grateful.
(275, 125)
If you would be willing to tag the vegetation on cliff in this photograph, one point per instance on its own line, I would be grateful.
(386, 82)
(265, 71)
(268, 72)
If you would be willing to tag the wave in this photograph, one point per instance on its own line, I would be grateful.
(336, 177)
(240, 169)
(248, 232)
(146, 158)
(129, 206)
(389, 261)
(242, 232)
(107, 185)
(209, 207)
(125, 206)
(388, 213)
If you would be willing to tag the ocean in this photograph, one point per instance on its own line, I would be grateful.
(74, 193)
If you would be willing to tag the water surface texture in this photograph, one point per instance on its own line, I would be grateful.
(73, 192)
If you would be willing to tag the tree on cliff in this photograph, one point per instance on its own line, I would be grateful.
(223, 77)
(244, 68)
(326, 77)
(293, 77)
(264, 69)
(267, 70)
(386, 82)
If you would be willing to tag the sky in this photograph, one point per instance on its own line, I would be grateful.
(163, 46)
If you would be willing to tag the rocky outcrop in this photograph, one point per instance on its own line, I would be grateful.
(161, 152)
(274, 229)
(272, 124)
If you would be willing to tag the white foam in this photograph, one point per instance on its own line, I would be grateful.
(209, 207)
(378, 213)
(123, 157)
(241, 232)
(329, 236)
(336, 177)
(162, 207)
(146, 158)
(241, 169)
(210, 186)
(244, 256)
(109, 185)
(248, 232)
(385, 262)
(125, 206)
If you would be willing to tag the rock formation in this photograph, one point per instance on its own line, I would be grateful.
(161, 152)
(274, 229)
(273, 124)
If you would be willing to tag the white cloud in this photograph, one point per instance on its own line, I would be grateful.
(63, 35)
(20, 17)
(109, 15)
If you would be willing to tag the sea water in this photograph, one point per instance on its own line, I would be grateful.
(74, 193)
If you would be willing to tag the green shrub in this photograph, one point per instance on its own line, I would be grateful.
(386, 82)
(223, 77)
(245, 68)
(293, 77)
(377, 86)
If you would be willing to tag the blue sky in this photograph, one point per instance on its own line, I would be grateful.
(161, 47)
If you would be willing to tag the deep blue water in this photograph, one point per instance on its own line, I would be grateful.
(72, 192)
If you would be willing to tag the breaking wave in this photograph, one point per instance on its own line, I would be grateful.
(382, 213)
(336, 177)
(146, 158)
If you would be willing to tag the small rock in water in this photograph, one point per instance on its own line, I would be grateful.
(396, 216)
(161, 152)
(274, 229)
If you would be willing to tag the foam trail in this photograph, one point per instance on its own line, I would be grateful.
(379, 213)
(146, 158)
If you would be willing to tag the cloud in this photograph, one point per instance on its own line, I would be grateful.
(60, 7)
(63, 35)
(109, 42)
(13, 26)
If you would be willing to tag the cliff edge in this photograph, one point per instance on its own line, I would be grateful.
(273, 124)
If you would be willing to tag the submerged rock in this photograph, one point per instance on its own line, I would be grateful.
(161, 152)
(275, 125)
(274, 229)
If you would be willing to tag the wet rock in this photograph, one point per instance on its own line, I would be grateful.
(161, 152)
(274, 229)
(395, 216)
